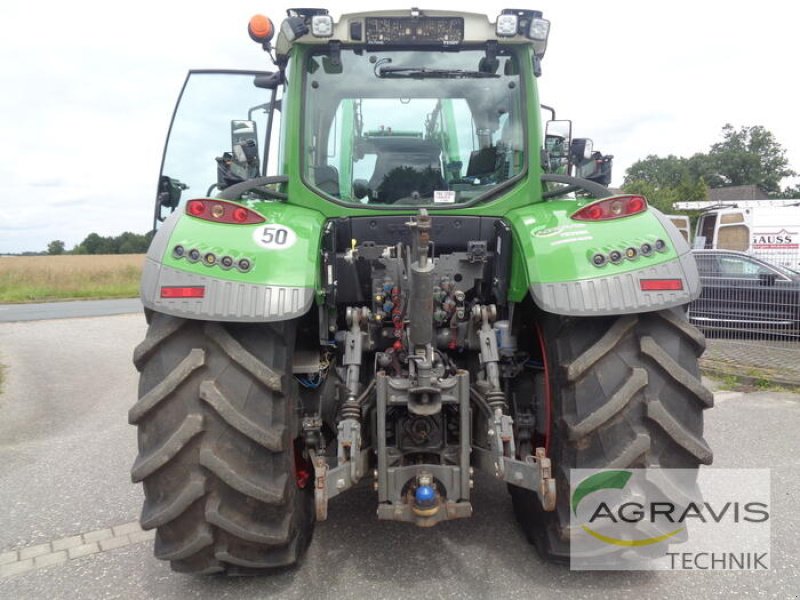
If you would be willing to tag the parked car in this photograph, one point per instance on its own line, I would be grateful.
(742, 293)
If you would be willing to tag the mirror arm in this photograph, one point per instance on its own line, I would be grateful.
(268, 137)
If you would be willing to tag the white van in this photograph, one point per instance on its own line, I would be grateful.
(682, 223)
(770, 232)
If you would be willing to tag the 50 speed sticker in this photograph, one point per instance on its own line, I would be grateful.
(275, 237)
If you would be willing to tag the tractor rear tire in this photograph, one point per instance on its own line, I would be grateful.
(217, 426)
(625, 393)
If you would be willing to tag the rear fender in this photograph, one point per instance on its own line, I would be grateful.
(554, 261)
(280, 282)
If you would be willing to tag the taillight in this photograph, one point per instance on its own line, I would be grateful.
(611, 208)
(219, 211)
(183, 292)
(196, 208)
(660, 285)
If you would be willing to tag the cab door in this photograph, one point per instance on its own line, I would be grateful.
(216, 112)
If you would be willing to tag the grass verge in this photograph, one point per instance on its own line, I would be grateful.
(52, 278)
(749, 380)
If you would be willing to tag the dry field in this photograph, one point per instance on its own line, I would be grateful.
(48, 278)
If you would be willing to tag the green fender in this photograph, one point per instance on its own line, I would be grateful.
(554, 258)
(281, 258)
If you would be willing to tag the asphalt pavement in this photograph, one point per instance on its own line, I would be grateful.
(67, 310)
(66, 450)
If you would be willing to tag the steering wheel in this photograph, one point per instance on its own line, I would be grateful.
(255, 185)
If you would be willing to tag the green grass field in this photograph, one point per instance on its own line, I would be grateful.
(67, 277)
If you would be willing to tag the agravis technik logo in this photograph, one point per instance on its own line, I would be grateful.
(613, 480)
(656, 518)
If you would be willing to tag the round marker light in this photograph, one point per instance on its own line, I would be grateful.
(210, 259)
(636, 204)
(631, 253)
(598, 260)
(260, 29)
(594, 212)
(615, 256)
(646, 249)
(661, 245)
(178, 251)
(194, 255)
(226, 262)
(195, 208)
(240, 214)
(244, 264)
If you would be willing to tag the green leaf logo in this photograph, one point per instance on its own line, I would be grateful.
(599, 481)
(614, 480)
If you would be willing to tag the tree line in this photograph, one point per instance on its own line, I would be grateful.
(749, 155)
(125, 243)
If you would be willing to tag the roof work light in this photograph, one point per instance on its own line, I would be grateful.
(322, 26)
(512, 22)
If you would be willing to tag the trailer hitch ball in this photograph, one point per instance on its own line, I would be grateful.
(425, 496)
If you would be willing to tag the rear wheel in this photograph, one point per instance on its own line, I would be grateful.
(623, 392)
(217, 427)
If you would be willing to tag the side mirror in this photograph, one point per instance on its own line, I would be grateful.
(597, 168)
(360, 188)
(169, 192)
(556, 145)
(269, 81)
(244, 148)
(580, 150)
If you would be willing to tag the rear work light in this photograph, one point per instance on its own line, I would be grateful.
(219, 211)
(174, 292)
(611, 208)
(661, 285)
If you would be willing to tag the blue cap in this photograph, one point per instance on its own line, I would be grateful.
(425, 495)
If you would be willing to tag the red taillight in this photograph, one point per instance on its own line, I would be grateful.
(611, 208)
(219, 211)
(661, 285)
(196, 208)
(183, 292)
(240, 214)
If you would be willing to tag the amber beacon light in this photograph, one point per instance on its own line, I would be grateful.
(260, 29)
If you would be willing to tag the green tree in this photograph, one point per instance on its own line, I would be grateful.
(745, 156)
(664, 181)
(125, 243)
(131, 243)
(788, 193)
(749, 155)
(658, 172)
(55, 247)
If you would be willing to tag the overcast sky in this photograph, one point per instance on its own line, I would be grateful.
(88, 89)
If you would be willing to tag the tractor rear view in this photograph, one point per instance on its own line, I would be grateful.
(369, 265)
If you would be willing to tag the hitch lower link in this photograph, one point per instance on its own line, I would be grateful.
(533, 473)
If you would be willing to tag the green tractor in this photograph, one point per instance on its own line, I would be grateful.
(382, 274)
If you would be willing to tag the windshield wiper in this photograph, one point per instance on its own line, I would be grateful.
(425, 73)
